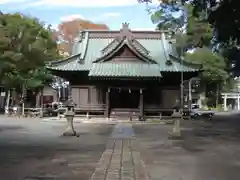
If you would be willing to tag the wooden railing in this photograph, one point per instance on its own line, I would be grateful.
(92, 107)
(28, 112)
(89, 107)
(86, 110)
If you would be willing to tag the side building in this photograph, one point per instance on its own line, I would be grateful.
(124, 72)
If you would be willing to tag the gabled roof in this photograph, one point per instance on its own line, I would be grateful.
(132, 44)
(93, 46)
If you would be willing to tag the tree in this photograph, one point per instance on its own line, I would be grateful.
(214, 76)
(198, 34)
(224, 15)
(68, 30)
(214, 65)
(25, 47)
(199, 31)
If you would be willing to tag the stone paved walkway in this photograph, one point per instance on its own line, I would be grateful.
(121, 160)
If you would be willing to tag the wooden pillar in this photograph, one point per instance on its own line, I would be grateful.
(107, 103)
(69, 92)
(141, 105)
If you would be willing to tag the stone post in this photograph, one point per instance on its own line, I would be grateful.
(70, 131)
(176, 132)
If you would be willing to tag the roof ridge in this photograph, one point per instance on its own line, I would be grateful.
(163, 39)
(139, 45)
(111, 44)
(78, 39)
(85, 43)
(132, 30)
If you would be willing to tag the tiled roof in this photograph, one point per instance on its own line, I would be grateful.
(90, 48)
(125, 70)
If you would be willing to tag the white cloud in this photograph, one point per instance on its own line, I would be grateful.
(111, 14)
(82, 3)
(12, 1)
(106, 16)
(71, 17)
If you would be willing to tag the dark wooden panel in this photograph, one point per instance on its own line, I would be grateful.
(125, 52)
(125, 55)
(101, 95)
(84, 96)
(93, 95)
(76, 96)
(170, 98)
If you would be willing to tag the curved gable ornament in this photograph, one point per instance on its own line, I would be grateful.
(125, 32)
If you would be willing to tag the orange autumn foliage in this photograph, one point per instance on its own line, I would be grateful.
(68, 30)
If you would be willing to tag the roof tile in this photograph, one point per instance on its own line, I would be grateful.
(125, 70)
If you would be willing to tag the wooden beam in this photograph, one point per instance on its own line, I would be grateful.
(126, 87)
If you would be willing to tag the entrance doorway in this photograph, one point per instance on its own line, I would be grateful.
(124, 98)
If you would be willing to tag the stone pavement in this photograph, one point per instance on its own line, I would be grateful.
(121, 160)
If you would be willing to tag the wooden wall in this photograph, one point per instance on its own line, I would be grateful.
(87, 95)
(169, 98)
(161, 97)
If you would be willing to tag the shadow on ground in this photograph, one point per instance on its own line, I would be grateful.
(38, 151)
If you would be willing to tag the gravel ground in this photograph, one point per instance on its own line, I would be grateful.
(208, 151)
(34, 150)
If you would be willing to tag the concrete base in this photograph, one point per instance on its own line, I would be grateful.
(69, 132)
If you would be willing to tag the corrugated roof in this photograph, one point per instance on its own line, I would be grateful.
(125, 70)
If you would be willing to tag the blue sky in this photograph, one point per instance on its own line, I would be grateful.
(110, 12)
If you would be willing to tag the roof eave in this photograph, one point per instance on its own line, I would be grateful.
(185, 63)
(62, 61)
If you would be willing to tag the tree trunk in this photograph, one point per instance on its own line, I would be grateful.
(13, 102)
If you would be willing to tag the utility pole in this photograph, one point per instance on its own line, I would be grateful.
(179, 116)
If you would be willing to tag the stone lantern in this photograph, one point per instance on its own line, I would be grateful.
(69, 114)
